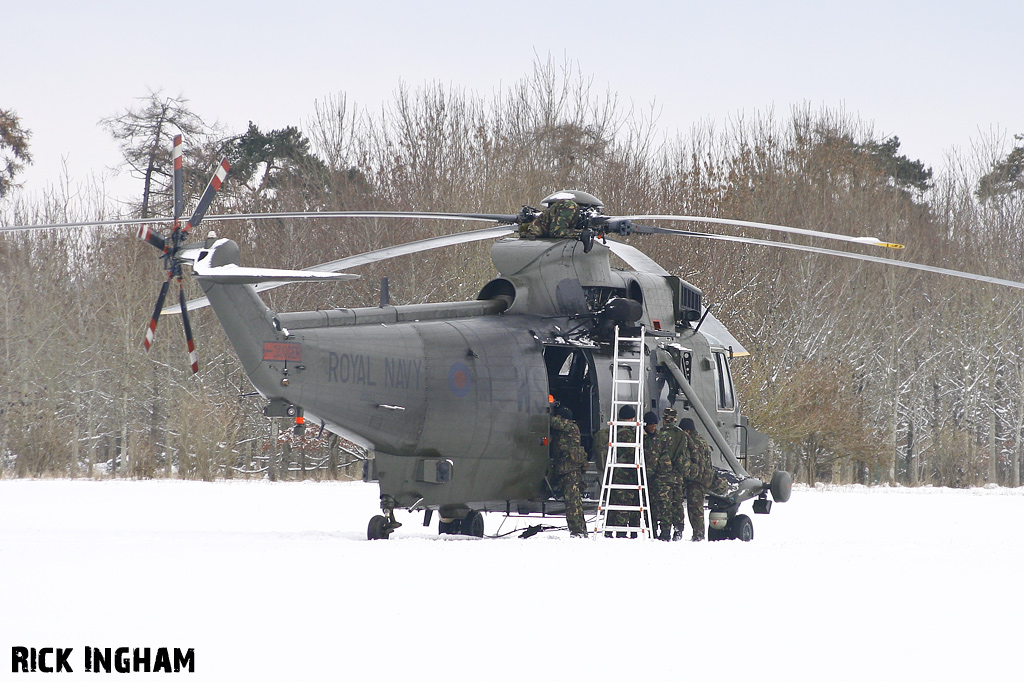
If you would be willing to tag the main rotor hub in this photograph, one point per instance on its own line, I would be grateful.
(584, 199)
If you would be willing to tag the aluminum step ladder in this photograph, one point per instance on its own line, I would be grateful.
(624, 483)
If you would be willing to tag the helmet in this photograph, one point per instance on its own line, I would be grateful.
(582, 198)
(669, 413)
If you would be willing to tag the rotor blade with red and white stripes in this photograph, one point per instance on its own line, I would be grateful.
(193, 357)
(211, 191)
(178, 178)
(151, 329)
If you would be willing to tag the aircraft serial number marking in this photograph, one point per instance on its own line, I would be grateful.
(282, 352)
(365, 370)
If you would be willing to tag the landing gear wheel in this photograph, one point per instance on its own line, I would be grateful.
(715, 534)
(378, 529)
(381, 526)
(741, 528)
(473, 524)
(450, 527)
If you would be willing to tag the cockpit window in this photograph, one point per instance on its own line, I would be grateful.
(723, 383)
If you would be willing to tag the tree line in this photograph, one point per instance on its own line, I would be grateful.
(858, 372)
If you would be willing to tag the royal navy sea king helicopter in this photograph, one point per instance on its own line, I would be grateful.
(454, 400)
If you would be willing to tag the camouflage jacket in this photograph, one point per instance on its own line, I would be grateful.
(660, 453)
(557, 221)
(696, 467)
(566, 450)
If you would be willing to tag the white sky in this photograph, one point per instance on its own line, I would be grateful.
(939, 74)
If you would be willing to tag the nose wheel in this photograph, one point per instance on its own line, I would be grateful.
(740, 527)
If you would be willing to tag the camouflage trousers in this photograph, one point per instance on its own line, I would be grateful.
(570, 483)
(629, 498)
(695, 493)
(677, 506)
(661, 506)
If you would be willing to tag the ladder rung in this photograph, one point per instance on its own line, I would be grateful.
(627, 529)
(629, 353)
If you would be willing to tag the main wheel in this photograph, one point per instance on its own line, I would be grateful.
(377, 530)
(451, 527)
(473, 524)
(742, 527)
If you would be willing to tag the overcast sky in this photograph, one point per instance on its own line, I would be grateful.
(939, 74)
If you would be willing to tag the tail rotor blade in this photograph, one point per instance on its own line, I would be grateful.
(173, 246)
(211, 190)
(193, 358)
(178, 178)
(151, 329)
(150, 237)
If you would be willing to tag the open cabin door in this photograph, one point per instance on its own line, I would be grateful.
(572, 382)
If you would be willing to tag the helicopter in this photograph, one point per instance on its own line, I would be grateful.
(454, 400)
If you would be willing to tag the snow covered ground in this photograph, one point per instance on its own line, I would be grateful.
(275, 581)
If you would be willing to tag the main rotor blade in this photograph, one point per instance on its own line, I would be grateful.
(375, 257)
(636, 259)
(641, 262)
(499, 218)
(855, 256)
(871, 241)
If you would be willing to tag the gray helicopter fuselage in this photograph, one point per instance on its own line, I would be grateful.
(453, 398)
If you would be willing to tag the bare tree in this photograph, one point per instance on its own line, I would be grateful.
(144, 133)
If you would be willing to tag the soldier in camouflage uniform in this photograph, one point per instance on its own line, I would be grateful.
(558, 221)
(677, 446)
(659, 447)
(570, 460)
(697, 474)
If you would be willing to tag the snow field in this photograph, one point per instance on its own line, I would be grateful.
(270, 581)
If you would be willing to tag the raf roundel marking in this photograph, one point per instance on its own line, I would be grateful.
(459, 381)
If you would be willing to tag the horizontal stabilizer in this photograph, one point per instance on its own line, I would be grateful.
(235, 274)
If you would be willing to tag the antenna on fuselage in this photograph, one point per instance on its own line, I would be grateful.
(703, 317)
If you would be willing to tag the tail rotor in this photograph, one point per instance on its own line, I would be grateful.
(171, 246)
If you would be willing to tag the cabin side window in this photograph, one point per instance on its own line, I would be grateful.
(723, 383)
